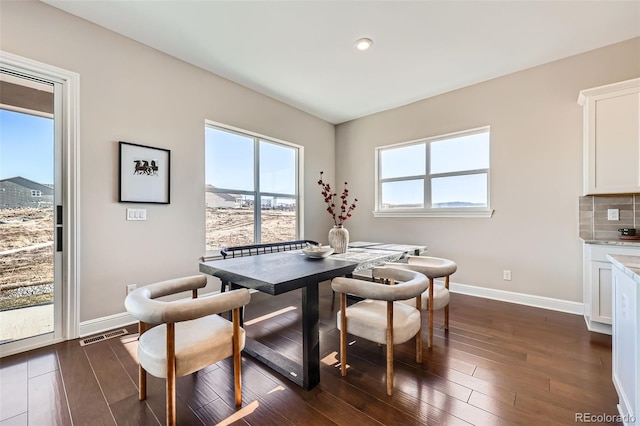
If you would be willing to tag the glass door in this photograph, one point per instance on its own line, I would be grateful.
(30, 210)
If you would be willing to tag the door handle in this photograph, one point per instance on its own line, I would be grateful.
(59, 228)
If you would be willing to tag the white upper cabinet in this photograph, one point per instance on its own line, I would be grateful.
(611, 133)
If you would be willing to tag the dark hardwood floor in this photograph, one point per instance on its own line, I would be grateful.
(500, 364)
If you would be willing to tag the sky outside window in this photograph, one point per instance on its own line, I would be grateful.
(459, 191)
(470, 152)
(26, 146)
(229, 160)
(277, 168)
(403, 161)
(405, 193)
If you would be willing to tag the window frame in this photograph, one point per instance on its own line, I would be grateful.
(36, 193)
(256, 193)
(427, 178)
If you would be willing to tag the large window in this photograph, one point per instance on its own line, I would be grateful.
(441, 176)
(251, 189)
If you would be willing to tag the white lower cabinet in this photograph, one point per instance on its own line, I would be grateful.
(626, 342)
(597, 284)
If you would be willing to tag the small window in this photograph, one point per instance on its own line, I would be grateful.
(251, 189)
(446, 175)
(36, 193)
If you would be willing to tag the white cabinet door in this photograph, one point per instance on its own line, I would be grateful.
(611, 135)
(597, 281)
(601, 307)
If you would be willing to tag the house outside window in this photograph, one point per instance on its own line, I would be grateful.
(36, 193)
(445, 175)
(251, 188)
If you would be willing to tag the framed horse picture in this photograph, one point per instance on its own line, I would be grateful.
(144, 174)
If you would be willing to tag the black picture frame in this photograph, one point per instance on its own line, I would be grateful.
(144, 174)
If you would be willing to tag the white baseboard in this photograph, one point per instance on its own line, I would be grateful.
(598, 327)
(560, 305)
(100, 325)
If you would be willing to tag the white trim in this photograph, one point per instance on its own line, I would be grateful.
(445, 136)
(71, 176)
(607, 88)
(19, 346)
(244, 132)
(598, 327)
(543, 302)
(434, 213)
(72, 132)
(100, 325)
(428, 178)
(211, 255)
(26, 111)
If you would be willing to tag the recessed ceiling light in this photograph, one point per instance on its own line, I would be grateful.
(363, 44)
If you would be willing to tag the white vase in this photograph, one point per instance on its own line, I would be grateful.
(339, 238)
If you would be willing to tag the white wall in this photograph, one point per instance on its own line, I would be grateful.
(536, 172)
(130, 92)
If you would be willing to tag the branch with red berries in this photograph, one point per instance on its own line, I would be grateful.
(343, 212)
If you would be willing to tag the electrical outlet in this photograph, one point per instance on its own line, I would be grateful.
(131, 287)
(613, 214)
(506, 275)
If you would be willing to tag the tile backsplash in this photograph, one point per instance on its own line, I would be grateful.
(594, 224)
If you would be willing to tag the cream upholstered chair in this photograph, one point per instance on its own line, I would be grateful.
(379, 317)
(438, 294)
(180, 337)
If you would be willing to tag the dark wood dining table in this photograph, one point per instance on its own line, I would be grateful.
(278, 273)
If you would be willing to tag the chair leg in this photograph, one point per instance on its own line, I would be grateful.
(419, 335)
(430, 341)
(343, 334)
(171, 375)
(446, 308)
(236, 357)
(142, 374)
(142, 381)
(389, 348)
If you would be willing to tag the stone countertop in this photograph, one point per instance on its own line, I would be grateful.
(630, 265)
(615, 242)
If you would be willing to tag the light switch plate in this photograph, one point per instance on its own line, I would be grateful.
(136, 214)
(613, 214)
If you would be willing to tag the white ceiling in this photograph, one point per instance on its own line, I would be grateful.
(302, 52)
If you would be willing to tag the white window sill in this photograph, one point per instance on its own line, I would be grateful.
(434, 213)
(211, 255)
